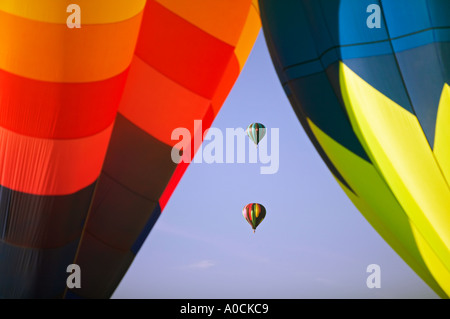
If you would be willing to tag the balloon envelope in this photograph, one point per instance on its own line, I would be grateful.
(254, 214)
(256, 132)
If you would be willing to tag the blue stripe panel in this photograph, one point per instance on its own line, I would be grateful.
(322, 103)
(424, 77)
(288, 18)
(383, 74)
(148, 227)
(319, 20)
(444, 54)
(35, 273)
(303, 69)
(352, 23)
(302, 118)
(413, 41)
(439, 12)
(365, 50)
(330, 56)
(405, 16)
(407, 59)
(71, 295)
(442, 35)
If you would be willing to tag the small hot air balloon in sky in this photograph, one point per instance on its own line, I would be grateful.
(254, 214)
(256, 132)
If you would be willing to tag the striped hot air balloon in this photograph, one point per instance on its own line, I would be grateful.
(60, 89)
(254, 214)
(256, 132)
(86, 116)
(375, 103)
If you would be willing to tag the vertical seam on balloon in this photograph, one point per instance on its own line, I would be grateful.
(435, 39)
(5, 220)
(394, 54)
(324, 69)
(342, 107)
(84, 229)
(432, 149)
(439, 56)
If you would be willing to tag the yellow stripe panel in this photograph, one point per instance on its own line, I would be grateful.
(442, 137)
(248, 36)
(377, 203)
(436, 267)
(257, 211)
(92, 11)
(55, 53)
(224, 20)
(255, 4)
(395, 141)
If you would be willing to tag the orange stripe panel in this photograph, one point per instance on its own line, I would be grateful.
(249, 35)
(230, 13)
(229, 78)
(92, 11)
(158, 105)
(50, 167)
(58, 110)
(55, 53)
(181, 51)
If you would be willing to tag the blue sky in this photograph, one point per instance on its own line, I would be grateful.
(313, 242)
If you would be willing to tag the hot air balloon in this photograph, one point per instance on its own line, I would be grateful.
(375, 103)
(59, 93)
(256, 132)
(86, 117)
(254, 214)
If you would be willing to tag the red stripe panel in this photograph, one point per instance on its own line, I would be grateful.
(58, 110)
(181, 51)
(158, 105)
(181, 168)
(227, 82)
(50, 167)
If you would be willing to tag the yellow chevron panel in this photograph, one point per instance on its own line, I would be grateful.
(434, 264)
(377, 204)
(442, 137)
(396, 144)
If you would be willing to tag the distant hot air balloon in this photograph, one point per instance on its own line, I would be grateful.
(254, 214)
(375, 103)
(86, 117)
(256, 132)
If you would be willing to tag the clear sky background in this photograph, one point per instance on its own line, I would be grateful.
(313, 242)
